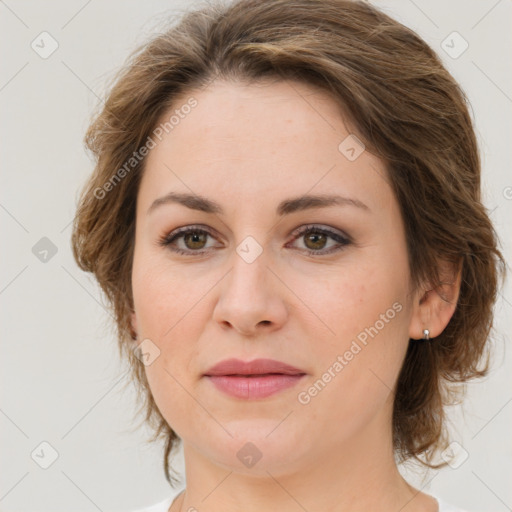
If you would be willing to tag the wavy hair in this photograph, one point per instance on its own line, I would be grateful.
(398, 98)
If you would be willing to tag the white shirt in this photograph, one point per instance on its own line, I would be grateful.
(163, 506)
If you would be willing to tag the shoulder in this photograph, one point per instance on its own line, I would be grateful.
(444, 506)
(161, 506)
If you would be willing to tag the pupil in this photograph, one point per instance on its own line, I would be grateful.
(312, 237)
(196, 238)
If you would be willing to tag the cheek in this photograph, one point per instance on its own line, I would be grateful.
(170, 312)
(341, 302)
(160, 293)
(164, 306)
(364, 320)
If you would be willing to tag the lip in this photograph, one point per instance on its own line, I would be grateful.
(254, 367)
(254, 379)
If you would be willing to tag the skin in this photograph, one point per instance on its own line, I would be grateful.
(248, 147)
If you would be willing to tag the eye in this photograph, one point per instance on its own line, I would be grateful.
(192, 237)
(194, 240)
(315, 239)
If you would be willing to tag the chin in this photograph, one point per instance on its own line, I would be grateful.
(258, 447)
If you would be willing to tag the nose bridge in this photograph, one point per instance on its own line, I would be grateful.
(248, 296)
(249, 270)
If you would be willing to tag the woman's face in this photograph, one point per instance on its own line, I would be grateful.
(252, 284)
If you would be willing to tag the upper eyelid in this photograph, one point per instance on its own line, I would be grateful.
(320, 227)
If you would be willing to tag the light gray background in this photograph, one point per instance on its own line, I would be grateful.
(61, 377)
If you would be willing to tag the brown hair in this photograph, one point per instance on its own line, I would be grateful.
(402, 103)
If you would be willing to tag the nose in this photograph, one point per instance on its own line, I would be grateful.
(252, 298)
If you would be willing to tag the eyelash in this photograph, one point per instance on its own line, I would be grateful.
(169, 239)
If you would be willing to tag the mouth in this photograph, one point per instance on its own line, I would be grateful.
(254, 386)
(255, 379)
(256, 367)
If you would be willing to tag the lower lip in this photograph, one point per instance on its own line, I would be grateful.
(254, 387)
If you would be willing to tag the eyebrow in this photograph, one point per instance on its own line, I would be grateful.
(286, 207)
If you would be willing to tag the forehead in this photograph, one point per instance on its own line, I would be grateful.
(246, 140)
(274, 113)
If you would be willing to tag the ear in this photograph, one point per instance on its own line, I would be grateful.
(433, 308)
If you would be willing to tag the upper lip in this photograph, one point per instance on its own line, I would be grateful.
(254, 367)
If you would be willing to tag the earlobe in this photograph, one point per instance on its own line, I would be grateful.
(433, 308)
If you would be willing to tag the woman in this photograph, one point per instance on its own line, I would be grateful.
(285, 215)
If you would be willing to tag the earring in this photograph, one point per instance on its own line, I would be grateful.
(426, 334)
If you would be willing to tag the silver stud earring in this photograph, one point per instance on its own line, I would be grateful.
(426, 334)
